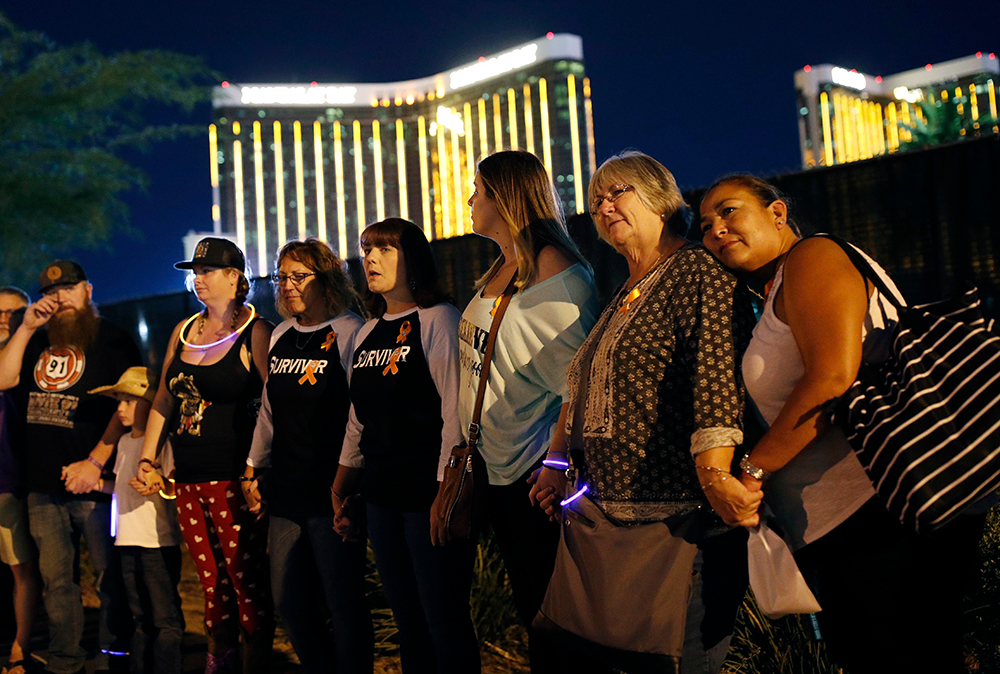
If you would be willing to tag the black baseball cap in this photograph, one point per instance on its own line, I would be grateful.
(215, 252)
(61, 273)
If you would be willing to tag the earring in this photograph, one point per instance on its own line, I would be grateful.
(413, 286)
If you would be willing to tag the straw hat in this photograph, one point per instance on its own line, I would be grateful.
(135, 381)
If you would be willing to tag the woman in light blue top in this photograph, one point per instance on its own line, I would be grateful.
(550, 314)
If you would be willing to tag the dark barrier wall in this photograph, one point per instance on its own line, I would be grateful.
(929, 217)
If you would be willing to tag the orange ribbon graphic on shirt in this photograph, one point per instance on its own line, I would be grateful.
(392, 367)
(310, 375)
(329, 341)
(404, 330)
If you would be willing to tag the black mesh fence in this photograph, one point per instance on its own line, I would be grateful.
(928, 217)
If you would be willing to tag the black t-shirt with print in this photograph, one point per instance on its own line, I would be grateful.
(64, 422)
(397, 403)
(309, 399)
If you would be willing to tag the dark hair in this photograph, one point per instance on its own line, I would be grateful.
(334, 282)
(421, 273)
(520, 188)
(765, 192)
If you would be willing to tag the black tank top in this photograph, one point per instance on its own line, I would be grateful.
(216, 409)
(398, 404)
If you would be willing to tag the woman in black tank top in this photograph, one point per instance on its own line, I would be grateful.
(209, 393)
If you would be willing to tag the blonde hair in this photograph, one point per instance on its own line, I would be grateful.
(655, 186)
(519, 186)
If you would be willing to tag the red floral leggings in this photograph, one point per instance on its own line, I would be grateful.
(229, 548)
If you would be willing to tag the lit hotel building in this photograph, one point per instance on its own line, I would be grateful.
(295, 160)
(847, 116)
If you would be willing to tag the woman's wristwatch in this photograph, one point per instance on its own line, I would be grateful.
(753, 471)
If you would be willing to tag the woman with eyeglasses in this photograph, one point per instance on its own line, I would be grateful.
(553, 307)
(402, 426)
(293, 461)
(656, 405)
(213, 375)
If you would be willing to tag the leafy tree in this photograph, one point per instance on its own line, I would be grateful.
(70, 119)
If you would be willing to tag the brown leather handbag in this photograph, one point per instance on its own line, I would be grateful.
(458, 492)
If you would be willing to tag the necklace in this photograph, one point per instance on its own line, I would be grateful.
(201, 326)
(633, 295)
(298, 336)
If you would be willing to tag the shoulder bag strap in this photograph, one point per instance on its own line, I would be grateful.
(491, 340)
(862, 265)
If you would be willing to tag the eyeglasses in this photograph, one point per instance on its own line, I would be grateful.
(613, 195)
(297, 278)
(11, 312)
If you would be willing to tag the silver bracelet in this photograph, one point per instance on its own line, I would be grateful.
(753, 471)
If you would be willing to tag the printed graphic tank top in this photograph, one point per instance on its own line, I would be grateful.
(215, 412)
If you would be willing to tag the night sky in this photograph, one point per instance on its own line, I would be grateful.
(705, 87)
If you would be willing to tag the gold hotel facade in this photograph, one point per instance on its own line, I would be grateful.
(295, 160)
(846, 115)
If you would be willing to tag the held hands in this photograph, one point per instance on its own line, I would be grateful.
(251, 493)
(153, 484)
(81, 477)
(347, 516)
(734, 501)
(548, 488)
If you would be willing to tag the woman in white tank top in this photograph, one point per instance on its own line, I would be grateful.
(890, 599)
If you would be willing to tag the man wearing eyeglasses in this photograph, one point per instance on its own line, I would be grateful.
(62, 350)
(16, 547)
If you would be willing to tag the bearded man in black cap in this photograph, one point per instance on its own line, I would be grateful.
(62, 350)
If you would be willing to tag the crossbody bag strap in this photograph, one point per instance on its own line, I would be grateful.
(863, 266)
(491, 340)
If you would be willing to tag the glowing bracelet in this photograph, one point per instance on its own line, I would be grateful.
(172, 496)
(583, 490)
(556, 464)
(203, 347)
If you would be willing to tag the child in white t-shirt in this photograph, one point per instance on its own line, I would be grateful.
(147, 536)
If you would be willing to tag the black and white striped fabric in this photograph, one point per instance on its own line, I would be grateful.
(926, 422)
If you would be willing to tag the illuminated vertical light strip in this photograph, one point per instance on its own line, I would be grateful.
(993, 97)
(377, 154)
(865, 127)
(404, 206)
(574, 139)
(338, 172)
(241, 231)
(484, 148)
(279, 184)
(824, 113)
(905, 110)
(213, 172)
(470, 157)
(512, 117)
(300, 181)
(425, 196)
(588, 109)
(839, 144)
(320, 181)
(892, 131)
(543, 107)
(879, 128)
(359, 175)
(497, 124)
(258, 184)
(974, 102)
(445, 188)
(529, 125)
(456, 179)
